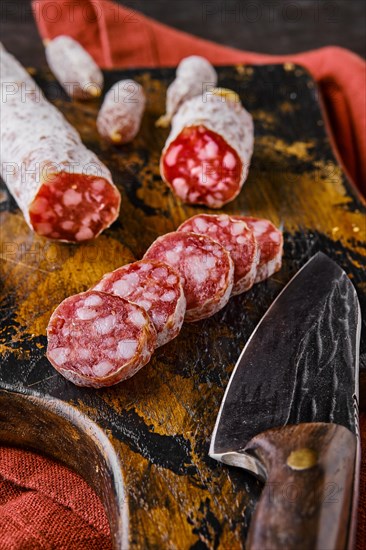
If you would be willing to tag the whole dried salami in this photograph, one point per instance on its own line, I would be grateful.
(194, 76)
(120, 116)
(62, 188)
(236, 237)
(74, 68)
(207, 155)
(154, 286)
(206, 268)
(97, 339)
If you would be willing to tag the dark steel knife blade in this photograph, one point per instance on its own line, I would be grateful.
(290, 413)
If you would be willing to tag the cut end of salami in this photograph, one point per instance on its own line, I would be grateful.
(97, 339)
(206, 268)
(270, 243)
(237, 238)
(202, 168)
(74, 207)
(154, 286)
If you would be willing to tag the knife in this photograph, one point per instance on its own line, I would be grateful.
(290, 413)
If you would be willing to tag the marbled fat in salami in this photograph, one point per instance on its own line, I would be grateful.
(97, 339)
(236, 237)
(195, 75)
(62, 188)
(154, 286)
(206, 268)
(74, 68)
(120, 116)
(207, 155)
(270, 242)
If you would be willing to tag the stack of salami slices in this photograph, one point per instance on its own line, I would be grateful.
(103, 336)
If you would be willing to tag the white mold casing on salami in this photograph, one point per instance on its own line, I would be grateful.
(120, 116)
(206, 268)
(232, 123)
(97, 339)
(194, 76)
(62, 188)
(154, 286)
(74, 68)
(237, 238)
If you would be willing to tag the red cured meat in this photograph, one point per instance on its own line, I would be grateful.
(73, 207)
(154, 286)
(64, 191)
(202, 168)
(270, 242)
(206, 268)
(97, 339)
(236, 237)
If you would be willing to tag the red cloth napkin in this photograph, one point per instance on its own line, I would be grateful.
(43, 504)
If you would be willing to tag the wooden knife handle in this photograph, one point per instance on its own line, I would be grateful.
(306, 502)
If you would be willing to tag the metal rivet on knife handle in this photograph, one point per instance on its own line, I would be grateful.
(302, 459)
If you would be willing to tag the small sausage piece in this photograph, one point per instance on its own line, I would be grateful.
(207, 155)
(64, 191)
(270, 243)
(195, 75)
(154, 286)
(120, 116)
(206, 268)
(74, 68)
(236, 237)
(97, 339)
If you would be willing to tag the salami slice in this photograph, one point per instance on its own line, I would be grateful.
(62, 188)
(236, 237)
(120, 116)
(74, 68)
(206, 268)
(194, 76)
(97, 339)
(154, 286)
(270, 242)
(207, 155)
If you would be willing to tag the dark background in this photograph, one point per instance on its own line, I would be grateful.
(268, 26)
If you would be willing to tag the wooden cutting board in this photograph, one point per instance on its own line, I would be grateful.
(156, 427)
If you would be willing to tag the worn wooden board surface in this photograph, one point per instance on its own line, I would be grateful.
(160, 421)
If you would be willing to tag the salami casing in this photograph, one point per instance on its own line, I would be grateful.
(62, 188)
(97, 339)
(120, 116)
(207, 155)
(270, 242)
(236, 237)
(154, 286)
(74, 68)
(195, 75)
(206, 268)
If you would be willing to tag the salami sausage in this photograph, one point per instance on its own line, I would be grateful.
(236, 237)
(154, 286)
(74, 68)
(270, 242)
(62, 188)
(120, 116)
(206, 268)
(207, 155)
(97, 339)
(194, 76)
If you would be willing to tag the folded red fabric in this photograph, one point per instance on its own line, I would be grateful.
(43, 504)
(120, 37)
